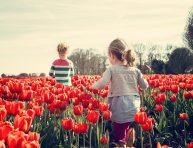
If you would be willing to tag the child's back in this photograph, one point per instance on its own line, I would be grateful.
(63, 69)
(123, 97)
(125, 80)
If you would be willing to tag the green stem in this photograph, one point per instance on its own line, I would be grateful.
(83, 140)
(141, 136)
(77, 140)
(102, 125)
(150, 140)
(90, 137)
(184, 134)
(70, 139)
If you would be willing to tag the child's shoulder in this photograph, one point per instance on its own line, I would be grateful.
(134, 69)
(64, 62)
(69, 61)
(56, 61)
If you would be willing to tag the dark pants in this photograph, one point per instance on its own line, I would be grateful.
(120, 131)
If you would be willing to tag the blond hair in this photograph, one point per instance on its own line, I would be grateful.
(62, 47)
(119, 48)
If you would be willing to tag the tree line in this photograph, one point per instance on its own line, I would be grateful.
(151, 59)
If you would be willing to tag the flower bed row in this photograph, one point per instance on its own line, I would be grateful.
(38, 112)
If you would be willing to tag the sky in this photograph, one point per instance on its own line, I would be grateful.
(30, 30)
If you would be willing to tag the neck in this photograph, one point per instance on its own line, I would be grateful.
(63, 57)
(117, 62)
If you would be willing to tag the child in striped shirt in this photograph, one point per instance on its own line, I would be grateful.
(62, 69)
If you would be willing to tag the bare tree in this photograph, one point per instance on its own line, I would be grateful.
(88, 62)
(140, 49)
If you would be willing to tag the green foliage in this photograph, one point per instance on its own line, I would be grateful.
(158, 66)
(169, 129)
(188, 36)
(180, 61)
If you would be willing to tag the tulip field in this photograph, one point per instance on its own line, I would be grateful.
(38, 112)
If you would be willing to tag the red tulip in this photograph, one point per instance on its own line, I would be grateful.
(93, 116)
(104, 140)
(190, 145)
(63, 97)
(5, 128)
(95, 103)
(85, 103)
(106, 115)
(104, 93)
(84, 96)
(174, 88)
(95, 91)
(30, 144)
(26, 95)
(151, 83)
(188, 86)
(38, 110)
(182, 85)
(3, 113)
(29, 112)
(52, 108)
(33, 136)
(23, 123)
(13, 108)
(154, 93)
(80, 128)
(159, 107)
(72, 94)
(75, 101)
(103, 106)
(78, 109)
(5, 89)
(59, 85)
(183, 116)
(140, 117)
(158, 100)
(68, 124)
(62, 105)
(75, 77)
(15, 139)
(9, 96)
(162, 88)
(162, 97)
(35, 86)
(48, 97)
(173, 98)
(148, 125)
(81, 87)
(60, 90)
(187, 95)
